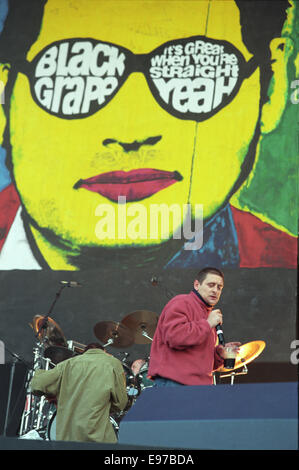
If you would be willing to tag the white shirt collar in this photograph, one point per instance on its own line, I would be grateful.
(16, 252)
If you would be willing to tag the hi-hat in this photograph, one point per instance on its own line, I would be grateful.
(247, 353)
(113, 334)
(50, 332)
(143, 324)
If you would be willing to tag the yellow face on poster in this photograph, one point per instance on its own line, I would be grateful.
(132, 136)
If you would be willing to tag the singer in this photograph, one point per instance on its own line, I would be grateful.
(184, 350)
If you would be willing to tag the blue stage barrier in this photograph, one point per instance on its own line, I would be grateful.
(261, 416)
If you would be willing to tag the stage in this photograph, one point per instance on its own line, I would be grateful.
(261, 416)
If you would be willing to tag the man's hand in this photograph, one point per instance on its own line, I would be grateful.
(215, 318)
(222, 351)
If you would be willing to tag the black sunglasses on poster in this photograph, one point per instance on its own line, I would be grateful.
(191, 78)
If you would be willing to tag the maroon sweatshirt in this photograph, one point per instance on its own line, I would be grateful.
(184, 345)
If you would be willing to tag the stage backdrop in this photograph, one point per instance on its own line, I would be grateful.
(141, 142)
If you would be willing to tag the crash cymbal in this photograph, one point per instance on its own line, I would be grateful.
(247, 353)
(58, 354)
(120, 335)
(52, 333)
(140, 322)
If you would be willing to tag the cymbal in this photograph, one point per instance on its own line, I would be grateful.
(58, 354)
(139, 322)
(247, 353)
(52, 334)
(110, 330)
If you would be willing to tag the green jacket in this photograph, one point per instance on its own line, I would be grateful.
(86, 388)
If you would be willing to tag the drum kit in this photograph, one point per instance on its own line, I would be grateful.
(52, 347)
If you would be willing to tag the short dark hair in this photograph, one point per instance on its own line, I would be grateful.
(93, 346)
(202, 274)
(24, 21)
(21, 28)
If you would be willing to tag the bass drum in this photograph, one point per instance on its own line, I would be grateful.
(51, 429)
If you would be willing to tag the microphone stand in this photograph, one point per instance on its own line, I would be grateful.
(233, 374)
(156, 283)
(44, 323)
(16, 358)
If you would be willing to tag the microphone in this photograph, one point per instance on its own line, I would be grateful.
(70, 283)
(220, 334)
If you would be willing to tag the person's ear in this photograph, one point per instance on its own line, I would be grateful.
(195, 284)
(4, 74)
(278, 91)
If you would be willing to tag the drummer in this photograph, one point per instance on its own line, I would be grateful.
(88, 388)
(184, 349)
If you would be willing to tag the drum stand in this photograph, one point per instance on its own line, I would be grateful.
(12, 373)
(36, 409)
(35, 406)
(144, 333)
(231, 374)
(15, 360)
